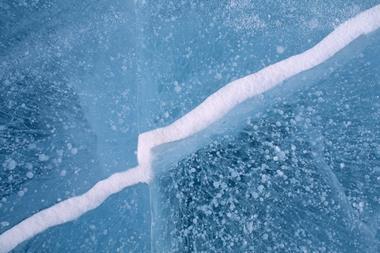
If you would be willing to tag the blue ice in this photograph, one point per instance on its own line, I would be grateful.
(295, 168)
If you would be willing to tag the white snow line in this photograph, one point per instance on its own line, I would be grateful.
(209, 111)
(69, 209)
(226, 98)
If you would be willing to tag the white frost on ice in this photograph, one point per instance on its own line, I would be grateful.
(29, 174)
(280, 49)
(43, 157)
(10, 164)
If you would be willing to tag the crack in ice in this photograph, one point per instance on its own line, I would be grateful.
(210, 110)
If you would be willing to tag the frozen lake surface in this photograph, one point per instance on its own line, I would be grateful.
(218, 126)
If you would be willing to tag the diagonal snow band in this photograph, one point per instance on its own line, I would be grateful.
(208, 112)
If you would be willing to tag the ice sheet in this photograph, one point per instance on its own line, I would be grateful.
(213, 108)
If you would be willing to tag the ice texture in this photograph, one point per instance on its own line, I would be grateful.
(298, 176)
(81, 80)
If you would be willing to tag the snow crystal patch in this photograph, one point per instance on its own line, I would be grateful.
(29, 174)
(62, 173)
(74, 151)
(280, 49)
(43, 157)
(9, 164)
(240, 17)
(4, 223)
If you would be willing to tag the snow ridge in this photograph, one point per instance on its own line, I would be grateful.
(206, 113)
